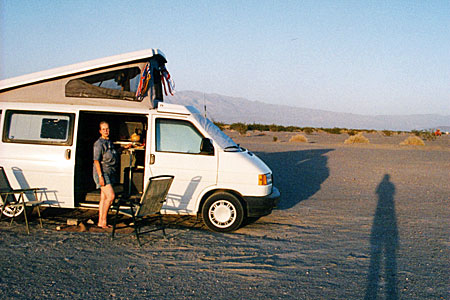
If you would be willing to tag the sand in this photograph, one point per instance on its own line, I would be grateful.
(354, 221)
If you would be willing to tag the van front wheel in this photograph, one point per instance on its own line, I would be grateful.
(222, 212)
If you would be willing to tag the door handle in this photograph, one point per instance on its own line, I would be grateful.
(67, 154)
(152, 159)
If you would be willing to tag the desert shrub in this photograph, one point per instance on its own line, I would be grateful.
(413, 140)
(239, 127)
(275, 138)
(298, 139)
(275, 128)
(424, 134)
(260, 127)
(220, 125)
(291, 128)
(352, 132)
(428, 135)
(308, 130)
(266, 127)
(387, 132)
(415, 132)
(334, 130)
(357, 139)
(369, 130)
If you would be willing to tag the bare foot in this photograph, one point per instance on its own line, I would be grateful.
(104, 226)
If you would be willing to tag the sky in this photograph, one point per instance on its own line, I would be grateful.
(363, 57)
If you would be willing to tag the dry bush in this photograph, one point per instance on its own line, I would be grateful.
(370, 131)
(298, 138)
(308, 130)
(424, 135)
(352, 132)
(357, 139)
(413, 140)
(388, 132)
(239, 127)
(335, 130)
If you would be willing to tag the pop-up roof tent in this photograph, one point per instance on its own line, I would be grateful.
(132, 80)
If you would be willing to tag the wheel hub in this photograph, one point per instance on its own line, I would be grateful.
(222, 213)
(11, 212)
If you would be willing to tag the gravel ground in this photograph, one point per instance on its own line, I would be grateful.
(354, 222)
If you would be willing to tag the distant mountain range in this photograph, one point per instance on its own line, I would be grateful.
(232, 110)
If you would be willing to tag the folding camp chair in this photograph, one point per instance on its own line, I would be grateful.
(12, 201)
(149, 204)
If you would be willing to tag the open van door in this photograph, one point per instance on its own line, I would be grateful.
(38, 151)
(178, 148)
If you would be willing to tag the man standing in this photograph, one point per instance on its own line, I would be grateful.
(105, 172)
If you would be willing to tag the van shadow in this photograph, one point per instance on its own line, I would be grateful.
(383, 243)
(297, 174)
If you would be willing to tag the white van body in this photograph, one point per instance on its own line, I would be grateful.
(49, 121)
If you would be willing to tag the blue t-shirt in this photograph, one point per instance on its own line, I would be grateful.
(106, 154)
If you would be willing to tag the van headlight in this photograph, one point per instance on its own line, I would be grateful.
(265, 179)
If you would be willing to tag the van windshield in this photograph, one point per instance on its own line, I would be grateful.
(223, 140)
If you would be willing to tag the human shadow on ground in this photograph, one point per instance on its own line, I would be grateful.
(297, 174)
(383, 243)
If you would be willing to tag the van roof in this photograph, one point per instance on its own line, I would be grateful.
(80, 67)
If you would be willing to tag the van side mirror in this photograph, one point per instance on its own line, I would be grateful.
(206, 147)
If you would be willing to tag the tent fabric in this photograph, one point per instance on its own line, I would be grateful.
(90, 90)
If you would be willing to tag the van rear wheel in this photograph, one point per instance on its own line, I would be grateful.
(223, 212)
(10, 212)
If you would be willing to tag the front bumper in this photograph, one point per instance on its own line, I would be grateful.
(262, 206)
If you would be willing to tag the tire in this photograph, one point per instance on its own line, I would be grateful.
(222, 212)
(11, 212)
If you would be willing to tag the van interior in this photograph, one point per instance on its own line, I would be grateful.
(124, 129)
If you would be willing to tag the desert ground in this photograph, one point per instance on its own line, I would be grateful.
(367, 221)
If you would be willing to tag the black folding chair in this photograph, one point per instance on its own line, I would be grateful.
(150, 203)
(12, 201)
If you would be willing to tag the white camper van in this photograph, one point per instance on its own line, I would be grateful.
(49, 122)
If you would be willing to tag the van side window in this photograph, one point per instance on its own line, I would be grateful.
(177, 136)
(118, 84)
(38, 128)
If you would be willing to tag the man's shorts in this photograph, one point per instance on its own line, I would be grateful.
(107, 177)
